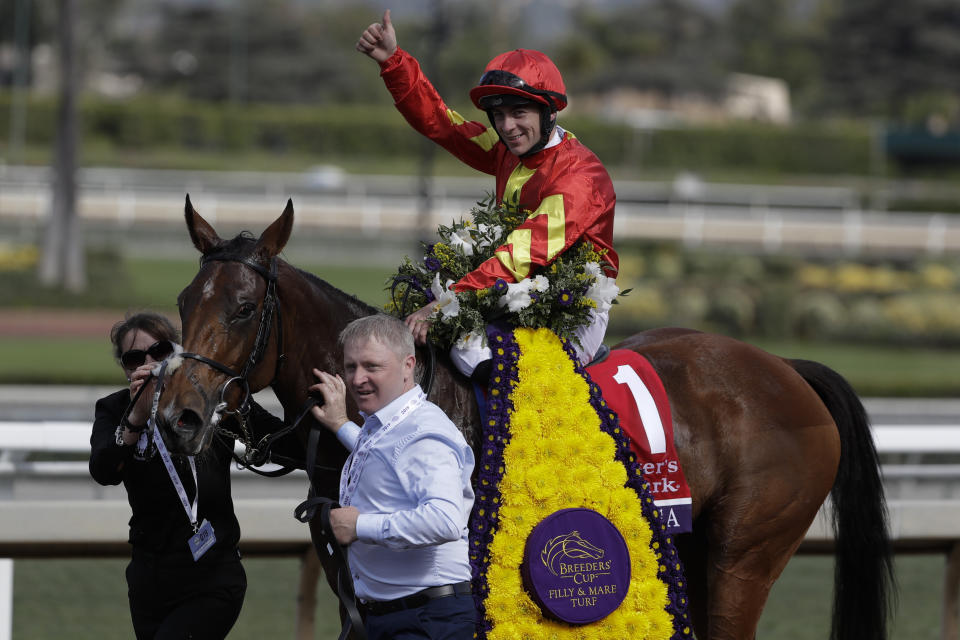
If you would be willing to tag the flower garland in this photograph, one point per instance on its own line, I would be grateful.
(560, 297)
(526, 440)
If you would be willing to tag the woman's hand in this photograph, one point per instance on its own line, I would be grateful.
(141, 376)
(379, 40)
(418, 322)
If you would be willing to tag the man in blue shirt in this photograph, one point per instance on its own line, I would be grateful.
(405, 489)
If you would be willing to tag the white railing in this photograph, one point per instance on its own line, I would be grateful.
(706, 213)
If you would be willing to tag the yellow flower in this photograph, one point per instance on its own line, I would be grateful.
(557, 458)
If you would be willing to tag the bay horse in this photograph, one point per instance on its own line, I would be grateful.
(763, 440)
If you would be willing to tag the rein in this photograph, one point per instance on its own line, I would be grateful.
(403, 307)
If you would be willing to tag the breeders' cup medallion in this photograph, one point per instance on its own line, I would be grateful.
(576, 566)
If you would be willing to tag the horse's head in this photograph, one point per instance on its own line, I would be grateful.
(228, 319)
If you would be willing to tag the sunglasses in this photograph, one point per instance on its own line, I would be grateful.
(136, 357)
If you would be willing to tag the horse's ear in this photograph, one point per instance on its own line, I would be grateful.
(201, 233)
(274, 238)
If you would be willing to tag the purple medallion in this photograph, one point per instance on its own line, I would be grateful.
(576, 566)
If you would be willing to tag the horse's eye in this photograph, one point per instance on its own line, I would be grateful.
(246, 310)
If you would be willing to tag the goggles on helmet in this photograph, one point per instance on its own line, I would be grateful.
(501, 78)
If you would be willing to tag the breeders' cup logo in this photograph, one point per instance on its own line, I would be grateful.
(576, 566)
(572, 546)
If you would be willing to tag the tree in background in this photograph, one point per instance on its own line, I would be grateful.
(888, 58)
(778, 39)
(668, 46)
(62, 262)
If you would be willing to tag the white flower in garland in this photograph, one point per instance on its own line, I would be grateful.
(540, 283)
(462, 239)
(603, 290)
(490, 236)
(447, 303)
(517, 296)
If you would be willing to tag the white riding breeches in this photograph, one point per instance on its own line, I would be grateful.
(467, 354)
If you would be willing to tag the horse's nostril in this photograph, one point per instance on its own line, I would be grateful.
(189, 420)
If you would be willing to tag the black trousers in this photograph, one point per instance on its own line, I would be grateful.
(175, 598)
(449, 618)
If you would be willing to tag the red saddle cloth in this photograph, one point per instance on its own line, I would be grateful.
(634, 391)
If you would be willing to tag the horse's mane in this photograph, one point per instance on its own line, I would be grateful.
(355, 304)
(242, 245)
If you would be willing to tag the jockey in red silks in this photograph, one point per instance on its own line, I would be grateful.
(540, 168)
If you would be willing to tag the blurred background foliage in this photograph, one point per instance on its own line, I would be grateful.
(283, 74)
(896, 301)
(872, 98)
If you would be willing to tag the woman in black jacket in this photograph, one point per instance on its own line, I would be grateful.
(184, 579)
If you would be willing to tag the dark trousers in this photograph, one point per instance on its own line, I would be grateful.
(176, 598)
(449, 618)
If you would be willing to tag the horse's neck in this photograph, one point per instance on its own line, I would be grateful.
(313, 314)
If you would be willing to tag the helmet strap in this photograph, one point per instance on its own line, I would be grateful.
(547, 124)
(546, 130)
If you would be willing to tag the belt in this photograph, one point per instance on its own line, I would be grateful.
(418, 599)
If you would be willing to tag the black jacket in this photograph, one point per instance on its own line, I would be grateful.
(159, 524)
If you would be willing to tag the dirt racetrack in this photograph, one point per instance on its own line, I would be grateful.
(79, 323)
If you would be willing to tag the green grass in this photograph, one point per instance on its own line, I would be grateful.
(32, 360)
(156, 282)
(86, 598)
(155, 285)
(874, 370)
(800, 602)
(878, 370)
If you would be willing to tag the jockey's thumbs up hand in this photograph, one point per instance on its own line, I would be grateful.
(379, 40)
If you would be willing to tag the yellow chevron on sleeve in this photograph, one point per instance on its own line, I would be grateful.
(518, 264)
(485, 140)
(455, 118)
(552, 207)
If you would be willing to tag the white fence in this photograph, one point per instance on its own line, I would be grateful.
(772, 217)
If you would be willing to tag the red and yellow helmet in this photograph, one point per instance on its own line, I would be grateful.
(524, 73)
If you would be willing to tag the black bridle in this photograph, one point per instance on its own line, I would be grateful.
(256, 454)
(271, 305)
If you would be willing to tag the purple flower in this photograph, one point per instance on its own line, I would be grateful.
(429, 294)
(566, 298)
(431, 263)
(500, 285)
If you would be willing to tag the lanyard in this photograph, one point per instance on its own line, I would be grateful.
(354, 464)
(190, 508)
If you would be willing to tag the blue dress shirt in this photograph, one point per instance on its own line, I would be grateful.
(414, 497)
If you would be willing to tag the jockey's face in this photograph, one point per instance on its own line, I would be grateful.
(518, 126)
(375, 374)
